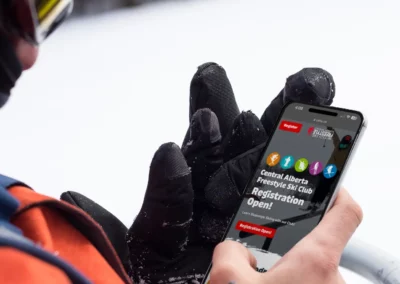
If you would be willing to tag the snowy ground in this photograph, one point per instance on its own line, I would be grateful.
(107, 91)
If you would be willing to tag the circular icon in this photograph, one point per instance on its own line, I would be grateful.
(330, 171)
(273, 159)
(301, 165)
(315, 168)
(345, 142)
(310, 130)
(287, 162)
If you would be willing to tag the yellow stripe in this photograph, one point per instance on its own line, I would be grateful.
(46, 8)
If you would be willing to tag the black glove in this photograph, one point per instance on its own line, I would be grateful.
(192, 192)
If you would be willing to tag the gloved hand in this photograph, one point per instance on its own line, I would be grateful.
(193, 190)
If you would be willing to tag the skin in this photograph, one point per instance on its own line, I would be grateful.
(26, 53)
(314, 260)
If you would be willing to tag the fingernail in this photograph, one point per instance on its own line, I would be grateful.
(205, 127)
(168, 163)
(312, 85)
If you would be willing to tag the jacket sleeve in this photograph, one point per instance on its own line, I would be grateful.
(18, 267)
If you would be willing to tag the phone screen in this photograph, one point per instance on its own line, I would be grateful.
(295, 181)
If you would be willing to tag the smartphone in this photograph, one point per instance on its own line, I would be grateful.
(296, 181)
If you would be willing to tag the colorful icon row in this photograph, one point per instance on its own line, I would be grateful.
(287, 162)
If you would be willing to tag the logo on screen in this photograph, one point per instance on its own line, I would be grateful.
(287, 162)
(301, 165)
(273, 159)
(315, 168)
(320, 133)
(330, 171)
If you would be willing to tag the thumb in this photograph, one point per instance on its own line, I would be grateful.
(160, 231)
(111, 225)
(233, 263)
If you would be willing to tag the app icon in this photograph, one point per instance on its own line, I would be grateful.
(320, 133)
(330, 171)
(345, 142)
(315, 168)
(287, 162)
(273, 159)
(301, 165)
(290, 126)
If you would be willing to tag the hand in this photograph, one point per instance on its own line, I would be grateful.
(192, 191)
(314, 260)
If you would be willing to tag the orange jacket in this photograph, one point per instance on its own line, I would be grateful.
(46, 221)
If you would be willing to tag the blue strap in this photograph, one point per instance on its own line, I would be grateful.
(7, 182)
(11, 236)
(11, 239)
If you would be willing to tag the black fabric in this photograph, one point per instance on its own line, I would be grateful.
(221, 158)
(87, 227)
(210, 88)
(112, 226)
(194, 190)
(312, 85)
(10, 69)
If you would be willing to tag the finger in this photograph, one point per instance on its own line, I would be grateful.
(112, 226)
(202, 151)
(310, 85)
(337, 226)
(160, 231)
(224, 192)
(233, 263)
(247, 132)
(210, 88)
(227, 185)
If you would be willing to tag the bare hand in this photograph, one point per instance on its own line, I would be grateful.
(314, 260)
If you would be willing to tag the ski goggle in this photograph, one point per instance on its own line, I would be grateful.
(35, 20)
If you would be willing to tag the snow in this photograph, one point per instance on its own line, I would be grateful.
(108, 90)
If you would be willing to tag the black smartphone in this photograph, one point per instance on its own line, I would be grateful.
(296, 181)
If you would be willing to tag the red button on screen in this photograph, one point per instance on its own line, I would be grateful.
(290, 126)
(255, 229)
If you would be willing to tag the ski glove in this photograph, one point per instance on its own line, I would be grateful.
(194, 189)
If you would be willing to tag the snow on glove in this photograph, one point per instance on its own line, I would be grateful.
(193, 190)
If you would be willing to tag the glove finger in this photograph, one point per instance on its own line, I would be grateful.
(204, 158)
(202, 150)
(227, 185)
(309, 85)
(247, 132)
(211, 88)
(160, 231)
(224, 191)
(112, 226)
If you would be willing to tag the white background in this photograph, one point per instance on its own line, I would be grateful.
(108, 90)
